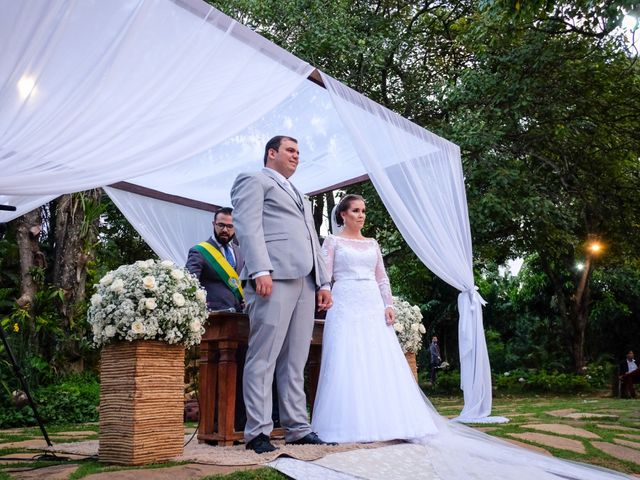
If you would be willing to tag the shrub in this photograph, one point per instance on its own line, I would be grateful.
(72, 400)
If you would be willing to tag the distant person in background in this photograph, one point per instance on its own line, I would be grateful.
(217, 263)
(436, 360)
(629, 374)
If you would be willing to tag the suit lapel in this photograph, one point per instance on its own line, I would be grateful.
(286, 190)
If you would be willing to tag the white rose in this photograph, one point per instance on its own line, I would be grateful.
(141, 264)
(149, 282)
(96, 299)
(96, 329)
(398, 327)
(137, 327)
(117, 286)
(506, 374)
(149, 263)
(195, 325)
(177, 274)
(109, 331)
(201, 296)
(166, 263)
(415, 327)
(422, 329)
(178, 299)
(521, 380)
(150, 303)
(106, 280)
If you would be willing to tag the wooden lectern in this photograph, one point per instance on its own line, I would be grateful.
(224, 343)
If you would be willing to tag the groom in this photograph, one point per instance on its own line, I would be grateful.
(284, 270)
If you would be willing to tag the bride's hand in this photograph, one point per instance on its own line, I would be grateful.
(390, 315)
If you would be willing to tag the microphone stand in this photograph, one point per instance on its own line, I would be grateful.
(23, 381)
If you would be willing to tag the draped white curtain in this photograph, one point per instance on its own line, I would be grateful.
(418, 176)
(169, 229)
(94, 92)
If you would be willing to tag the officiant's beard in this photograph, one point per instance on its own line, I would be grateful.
(223, 240)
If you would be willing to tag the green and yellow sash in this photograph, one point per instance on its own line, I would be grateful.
(222, 267)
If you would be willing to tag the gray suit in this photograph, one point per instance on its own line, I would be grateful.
(276, 233)
(219, 297)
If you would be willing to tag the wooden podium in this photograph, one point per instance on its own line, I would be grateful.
(223, 346)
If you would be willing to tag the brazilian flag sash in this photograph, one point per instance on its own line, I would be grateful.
(219, 263)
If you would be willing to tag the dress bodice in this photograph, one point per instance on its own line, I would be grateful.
(353, 259)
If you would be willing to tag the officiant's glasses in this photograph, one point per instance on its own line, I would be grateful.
(228, 226)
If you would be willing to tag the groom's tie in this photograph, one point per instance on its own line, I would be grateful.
(228, 254)
(293, 192)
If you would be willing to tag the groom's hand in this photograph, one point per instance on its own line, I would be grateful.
(323, 300)
(264, 285)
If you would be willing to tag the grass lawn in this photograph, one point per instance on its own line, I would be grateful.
(523, 411)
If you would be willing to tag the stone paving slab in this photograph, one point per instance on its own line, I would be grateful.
(618, 451)
(33, 444)
(528, 446)
(77, 433)
(561, 429)
(592, 416)
(55, 472)
(561, 413)
(630, 436)
(551, 441)
(617, 427)
(30, 456)
(627, 443)
(181, 472)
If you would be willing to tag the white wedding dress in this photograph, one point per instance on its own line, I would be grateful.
(367, 393)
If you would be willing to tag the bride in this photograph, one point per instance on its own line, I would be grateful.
(366, 391)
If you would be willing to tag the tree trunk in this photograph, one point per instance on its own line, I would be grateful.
(579, 314)
(28, 230)
(76, 222)
(318, 211)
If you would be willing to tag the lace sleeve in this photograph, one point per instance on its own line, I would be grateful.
(383, 280)
(328, 250)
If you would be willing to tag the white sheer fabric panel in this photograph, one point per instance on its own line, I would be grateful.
(169, 229)
(96, 92)
(23, 204)
(418, 176)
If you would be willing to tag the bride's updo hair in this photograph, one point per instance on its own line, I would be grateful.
(344, 205)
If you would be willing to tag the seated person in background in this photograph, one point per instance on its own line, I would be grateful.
(217, 262)
(629, 374)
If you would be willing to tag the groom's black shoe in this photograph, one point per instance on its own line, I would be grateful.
(310, 439)
(260, 444)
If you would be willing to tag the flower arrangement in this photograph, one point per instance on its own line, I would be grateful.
(408, 326)
(150, 300)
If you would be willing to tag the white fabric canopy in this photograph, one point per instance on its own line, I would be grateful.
(174, 96)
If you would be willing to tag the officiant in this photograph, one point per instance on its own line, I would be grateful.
(217, 262)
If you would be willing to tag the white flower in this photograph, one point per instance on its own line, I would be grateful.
(588, 377)
(117, 286)
(137, 327)
(506, 374)
(521, 380)
(398, 327)
(120, 309)
(178, 299)
(584, 368)
(150, 304)
(167, 263)
(177, 274)
(415, 327)
(422, 329)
